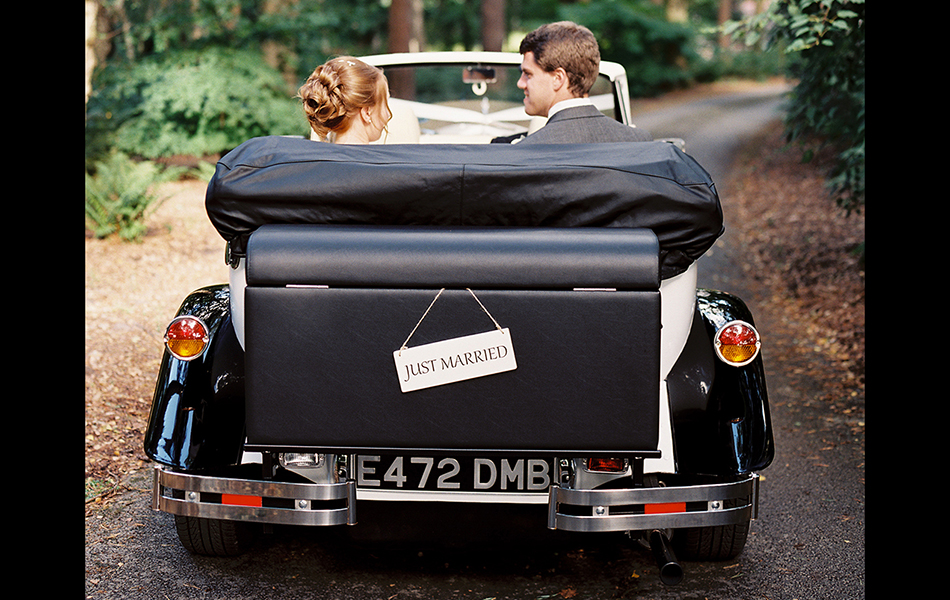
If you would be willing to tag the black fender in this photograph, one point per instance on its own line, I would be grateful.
(720, 413)
(197, 415)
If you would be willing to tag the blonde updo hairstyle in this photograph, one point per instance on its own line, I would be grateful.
(336, 91)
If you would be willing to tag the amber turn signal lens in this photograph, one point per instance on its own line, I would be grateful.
(186, 337)
(737, 343)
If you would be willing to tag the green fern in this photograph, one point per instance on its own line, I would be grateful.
(122, 193)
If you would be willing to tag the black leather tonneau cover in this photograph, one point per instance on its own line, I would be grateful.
(639, 185)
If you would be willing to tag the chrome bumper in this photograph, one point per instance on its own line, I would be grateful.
(255, 501)
(641, 509)
(598, 510)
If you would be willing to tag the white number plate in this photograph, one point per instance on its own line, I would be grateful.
(454, 474)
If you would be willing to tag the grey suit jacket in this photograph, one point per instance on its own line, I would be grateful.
(583, 125)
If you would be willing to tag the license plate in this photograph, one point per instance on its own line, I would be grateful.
(454, 474)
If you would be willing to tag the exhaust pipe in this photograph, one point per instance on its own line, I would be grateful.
(671, 572)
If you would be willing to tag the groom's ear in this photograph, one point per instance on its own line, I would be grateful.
(560, 78)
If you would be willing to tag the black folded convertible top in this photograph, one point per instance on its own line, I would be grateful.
(644, 184)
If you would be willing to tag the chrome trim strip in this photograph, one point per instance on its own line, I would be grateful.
(648, 495)
(252, 487)
(608, 522)
(276, 516)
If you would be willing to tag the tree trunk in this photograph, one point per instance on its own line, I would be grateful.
(92, 11)
(98, 39)
(406, 26)
(276, 54)
(405, 35)
(725, 13)
(493, 25)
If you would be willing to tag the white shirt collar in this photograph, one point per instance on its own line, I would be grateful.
(569, 103)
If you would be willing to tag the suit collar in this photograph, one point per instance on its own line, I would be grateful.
(585, 111)
(569, 103)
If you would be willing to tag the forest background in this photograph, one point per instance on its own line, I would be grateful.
(180, 82)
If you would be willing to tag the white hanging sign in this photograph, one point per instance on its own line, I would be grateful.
(457, 359)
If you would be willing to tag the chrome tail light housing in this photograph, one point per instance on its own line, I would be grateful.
(737, 343)
(187, 337)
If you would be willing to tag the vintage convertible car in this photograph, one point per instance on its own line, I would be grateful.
(463, 323)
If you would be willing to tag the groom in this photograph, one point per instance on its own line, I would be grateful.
(560, 62)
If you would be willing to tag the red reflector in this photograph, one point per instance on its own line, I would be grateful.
(241, 500)
(664, 507)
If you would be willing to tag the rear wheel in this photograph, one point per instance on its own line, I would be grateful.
(721, 542)
(214, 537)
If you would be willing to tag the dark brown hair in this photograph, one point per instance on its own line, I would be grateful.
(567, 45)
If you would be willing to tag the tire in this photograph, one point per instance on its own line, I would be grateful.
(213, 537)
(722, 542)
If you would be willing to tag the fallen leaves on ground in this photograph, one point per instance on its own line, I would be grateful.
(805, 255)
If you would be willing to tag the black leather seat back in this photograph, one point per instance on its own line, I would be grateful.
(506, 258)
(326, 307)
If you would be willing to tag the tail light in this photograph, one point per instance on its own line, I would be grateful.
(607, 465)
(737, 343)
(186, 337)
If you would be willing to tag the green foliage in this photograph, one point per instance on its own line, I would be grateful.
(309, 32)
(452, 24)
(320, 30)
(827, 37)
(191, 102)
(657, 54)
(743, 64)
(121, 194)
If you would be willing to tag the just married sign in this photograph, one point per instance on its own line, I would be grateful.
(456, 359)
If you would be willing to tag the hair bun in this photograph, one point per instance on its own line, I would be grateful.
(323, 101)
(336, 90)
